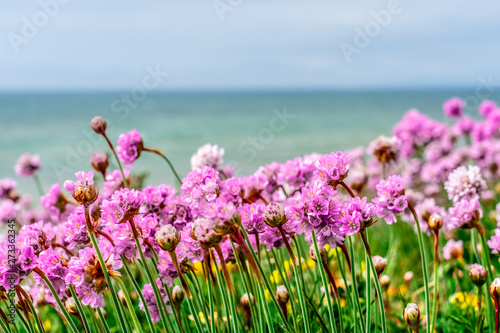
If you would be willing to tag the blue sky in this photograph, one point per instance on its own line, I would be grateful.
(242, 44)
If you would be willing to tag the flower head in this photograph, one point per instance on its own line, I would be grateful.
(453, 250)
(332, 168)
(454, 107)
(465, 214)
(167, 237)
(412, 315)
(130, 146)
(391, 198)
(465, 182)
(274, 214)
(209, 155)
(99, 125)
(100, 162)
(384, 149)
(83, 190)
(477, 274)
(27, 165)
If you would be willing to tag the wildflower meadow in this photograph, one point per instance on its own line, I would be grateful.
(402, 235)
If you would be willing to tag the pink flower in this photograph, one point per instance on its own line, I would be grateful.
(453, 250)
(494, 242)
(209, 155)
(391, 198)
(129, 147)
(454, 107)
(465, 182)
(333, 168)
(27, 165)
(82, 190)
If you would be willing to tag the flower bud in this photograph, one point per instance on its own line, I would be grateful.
(385, 281)
(274, 214)
(177, 294)
(167, 237)
(322, 252)
(412, 315)
(99, 125)
(435, 222)
(70, 306)
(477, 274)
(100, 162)
(282, 295)
(408, 277)
(121, 297)
(246, 300)
(495, 289)
(379, 263)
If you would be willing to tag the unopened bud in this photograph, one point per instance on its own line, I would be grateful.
(100, 162)
(121, 297)
(477, 274)
(246, 301)
(282, 295)
(435, 222)
(385, 281)
(70, 305)
(177, 294)
(167, 237)
(495, 289)
(274, 214)
(322, 252)
(99, 125)
(408, 277)
(379, 263)
(412, 315)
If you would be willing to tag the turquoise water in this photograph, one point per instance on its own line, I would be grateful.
(56, 126)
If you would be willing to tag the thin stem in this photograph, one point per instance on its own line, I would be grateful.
(130, 305)
(331, 313)
(368, 296)
(287, 245)
(79, 306)
(65, 313)
(264, 277)
(496, 316)
(487, 263)
(125, 182)
(355, 286)
(377, 284)
(424, 263)
(348, 189)
(116, 302)
(139, 292)
(104, 323)
(159, 152)
(159, 299)
(38, 184)
(225, 271)
(436, 285)
(179, 272)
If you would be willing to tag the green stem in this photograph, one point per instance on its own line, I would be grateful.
(487, 263)
(355, 285)
(159, 299)
(322, 273)
(138, 290)
(130, 305)
(114, 296)
(300, 287)
(377, 284)
(424, 264)
(436, 283)
(25, 323)
(38, 184)
(159, 152)
(125, 182)
(266, 281)
(104, 323)
(368, 296)
(65, 313)
(85, 322)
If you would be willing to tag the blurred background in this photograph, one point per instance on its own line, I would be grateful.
(266, 80)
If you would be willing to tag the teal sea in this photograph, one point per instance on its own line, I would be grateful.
(255, 128)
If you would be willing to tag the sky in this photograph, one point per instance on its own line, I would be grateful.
(247, 44)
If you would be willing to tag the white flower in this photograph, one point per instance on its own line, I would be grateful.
(210, 155)
(465, 183)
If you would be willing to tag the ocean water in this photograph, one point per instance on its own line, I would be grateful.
(254, 128)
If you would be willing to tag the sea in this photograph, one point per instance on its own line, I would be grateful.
(254, 127)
